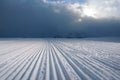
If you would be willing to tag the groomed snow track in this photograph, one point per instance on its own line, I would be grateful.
(59, 59)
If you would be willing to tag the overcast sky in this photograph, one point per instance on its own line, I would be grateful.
(49, 18)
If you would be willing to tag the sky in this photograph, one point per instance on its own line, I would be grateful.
(59, 18)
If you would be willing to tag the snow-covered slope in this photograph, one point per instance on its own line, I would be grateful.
(59, 59)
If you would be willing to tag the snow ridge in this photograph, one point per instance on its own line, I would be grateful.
(59, 59)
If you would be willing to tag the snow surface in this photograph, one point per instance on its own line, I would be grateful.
(59, 59)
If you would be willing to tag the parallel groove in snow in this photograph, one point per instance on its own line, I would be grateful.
(58, 59)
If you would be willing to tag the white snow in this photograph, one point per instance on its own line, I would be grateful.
(60, 59)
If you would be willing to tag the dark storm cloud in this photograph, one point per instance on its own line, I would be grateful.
(27, 19)
(30, 19)
(92, 27)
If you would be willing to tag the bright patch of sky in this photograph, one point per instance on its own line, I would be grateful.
(70, 0)
(97, 9)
